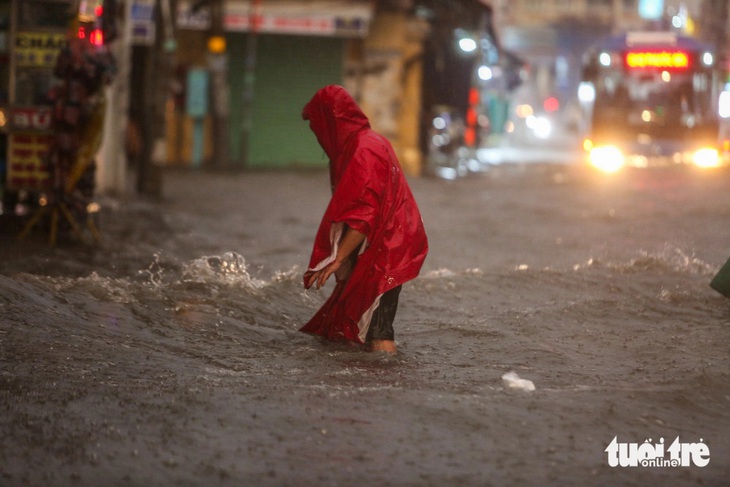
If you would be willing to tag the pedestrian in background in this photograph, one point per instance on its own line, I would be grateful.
(371, 236)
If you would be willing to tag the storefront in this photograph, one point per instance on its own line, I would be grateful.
(54, 68)
(34, 32)
(300, 47)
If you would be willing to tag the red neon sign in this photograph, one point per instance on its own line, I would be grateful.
(96, 37)
(661, 59)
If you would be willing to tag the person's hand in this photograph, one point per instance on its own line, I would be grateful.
(349, 242)
(307, 279)
(320, 277)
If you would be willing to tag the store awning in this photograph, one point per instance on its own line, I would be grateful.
(344, 18)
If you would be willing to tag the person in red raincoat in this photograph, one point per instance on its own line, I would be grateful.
(371, 236)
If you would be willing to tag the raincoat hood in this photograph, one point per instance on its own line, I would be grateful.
(335, 118)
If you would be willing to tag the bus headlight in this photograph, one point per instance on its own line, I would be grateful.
(706, 157)
(607, 158)
(540, 126)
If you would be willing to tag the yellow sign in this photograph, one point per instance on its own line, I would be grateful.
(26, 161)
(38, 49)
(664, 60)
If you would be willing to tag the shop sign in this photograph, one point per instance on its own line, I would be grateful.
(317, 18)
(38, 49)
(143, 22)
(281, 24)
(31, 118)
(26, 161)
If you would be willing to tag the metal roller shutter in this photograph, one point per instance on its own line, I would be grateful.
(289, 70)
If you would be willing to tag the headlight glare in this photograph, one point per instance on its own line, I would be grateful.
(706, 157)
(607, 158)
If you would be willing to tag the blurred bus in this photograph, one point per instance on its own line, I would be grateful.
(651, 98)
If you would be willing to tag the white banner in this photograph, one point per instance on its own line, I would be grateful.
(317, 17)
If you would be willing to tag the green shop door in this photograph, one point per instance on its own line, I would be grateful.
(288, 71)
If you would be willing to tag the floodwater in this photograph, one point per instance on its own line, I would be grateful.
(169, 354)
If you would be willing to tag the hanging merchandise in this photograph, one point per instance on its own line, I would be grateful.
(82, 68)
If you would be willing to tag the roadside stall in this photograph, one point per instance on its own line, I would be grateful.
(53, 114)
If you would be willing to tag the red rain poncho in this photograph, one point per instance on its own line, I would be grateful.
(369, 194)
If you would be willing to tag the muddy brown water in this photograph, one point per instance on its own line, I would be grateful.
(169, 354)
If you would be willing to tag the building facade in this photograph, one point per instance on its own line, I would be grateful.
(279, 52)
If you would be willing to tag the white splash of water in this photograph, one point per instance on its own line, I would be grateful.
(229, 268)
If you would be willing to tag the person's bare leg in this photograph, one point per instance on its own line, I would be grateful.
(383, 346)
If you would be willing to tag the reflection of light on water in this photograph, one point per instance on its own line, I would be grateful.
(670, 258)
(443, 272)
(440, 273)
(229, 263)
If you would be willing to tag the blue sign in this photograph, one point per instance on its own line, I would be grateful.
(196, 98)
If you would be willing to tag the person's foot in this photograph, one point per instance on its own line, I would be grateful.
(387, 346)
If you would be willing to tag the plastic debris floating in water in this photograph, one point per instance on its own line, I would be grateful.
(513, 381)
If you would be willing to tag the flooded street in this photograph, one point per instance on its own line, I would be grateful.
(169, 354)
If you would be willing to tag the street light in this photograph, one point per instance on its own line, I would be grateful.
(485, 73)
(466, 42)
